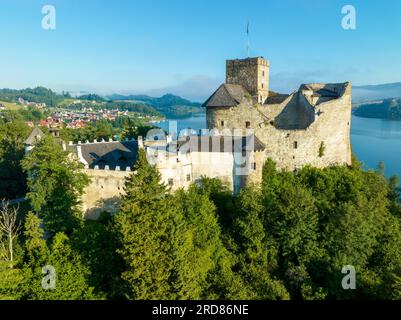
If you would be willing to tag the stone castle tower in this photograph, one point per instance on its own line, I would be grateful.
(310, 126)
(252, 74)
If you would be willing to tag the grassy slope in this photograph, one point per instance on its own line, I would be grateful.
(66, 102)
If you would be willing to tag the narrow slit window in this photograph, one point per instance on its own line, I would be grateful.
(295, 144)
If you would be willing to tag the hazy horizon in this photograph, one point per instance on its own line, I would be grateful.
(128, 47)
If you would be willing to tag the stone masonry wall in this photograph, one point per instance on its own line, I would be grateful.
(104, 192)
(252, 73)
(294, 148)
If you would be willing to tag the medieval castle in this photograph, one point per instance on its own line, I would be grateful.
(247, 123)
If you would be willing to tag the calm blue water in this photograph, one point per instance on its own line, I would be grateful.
(373, 140)
(196, 123)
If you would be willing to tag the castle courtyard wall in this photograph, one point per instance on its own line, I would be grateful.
(213, 165)
(104, 192)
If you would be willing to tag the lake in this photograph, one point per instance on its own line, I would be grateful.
(373, 140)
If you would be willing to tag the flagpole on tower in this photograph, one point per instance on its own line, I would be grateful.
(247, 39)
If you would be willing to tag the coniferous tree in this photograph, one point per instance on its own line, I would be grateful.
(153, 235)
(97, 244)
(257, 253)
(11, 280)
(12, 178)
(56, 184)
(208, 266)
(69, 280)
(35, 246)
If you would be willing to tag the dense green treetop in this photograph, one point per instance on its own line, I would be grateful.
(56, 184)
(288, 238)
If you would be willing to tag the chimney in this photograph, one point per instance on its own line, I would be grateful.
(80, 156)
(140, 142)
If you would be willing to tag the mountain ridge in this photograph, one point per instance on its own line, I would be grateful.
(376, 92)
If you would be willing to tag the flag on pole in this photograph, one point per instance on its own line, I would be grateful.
(247, 38)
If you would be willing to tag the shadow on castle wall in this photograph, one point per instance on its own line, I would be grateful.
(110, 205)
(295, 115)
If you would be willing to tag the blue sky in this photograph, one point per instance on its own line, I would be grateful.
(180, 46)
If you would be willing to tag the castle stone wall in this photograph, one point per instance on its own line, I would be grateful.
(103, 192)
(213, 165)
(310, 127)
(293, 148)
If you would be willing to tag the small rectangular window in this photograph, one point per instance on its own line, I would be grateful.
(188, 177)
(170, 182)
(263, 85)
(295, 144)
(247, 124)
(254, 165)
(222, 123)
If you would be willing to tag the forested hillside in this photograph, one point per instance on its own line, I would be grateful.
(38, 94)
(169, 105)
(286, 239)
(386, 109)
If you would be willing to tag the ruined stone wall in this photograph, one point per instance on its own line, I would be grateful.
(294, 148)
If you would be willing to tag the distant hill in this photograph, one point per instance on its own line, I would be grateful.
(38, 95)
(170, 105)
(385, 109)
(167, 100)
(376, 92)
(92, 97)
